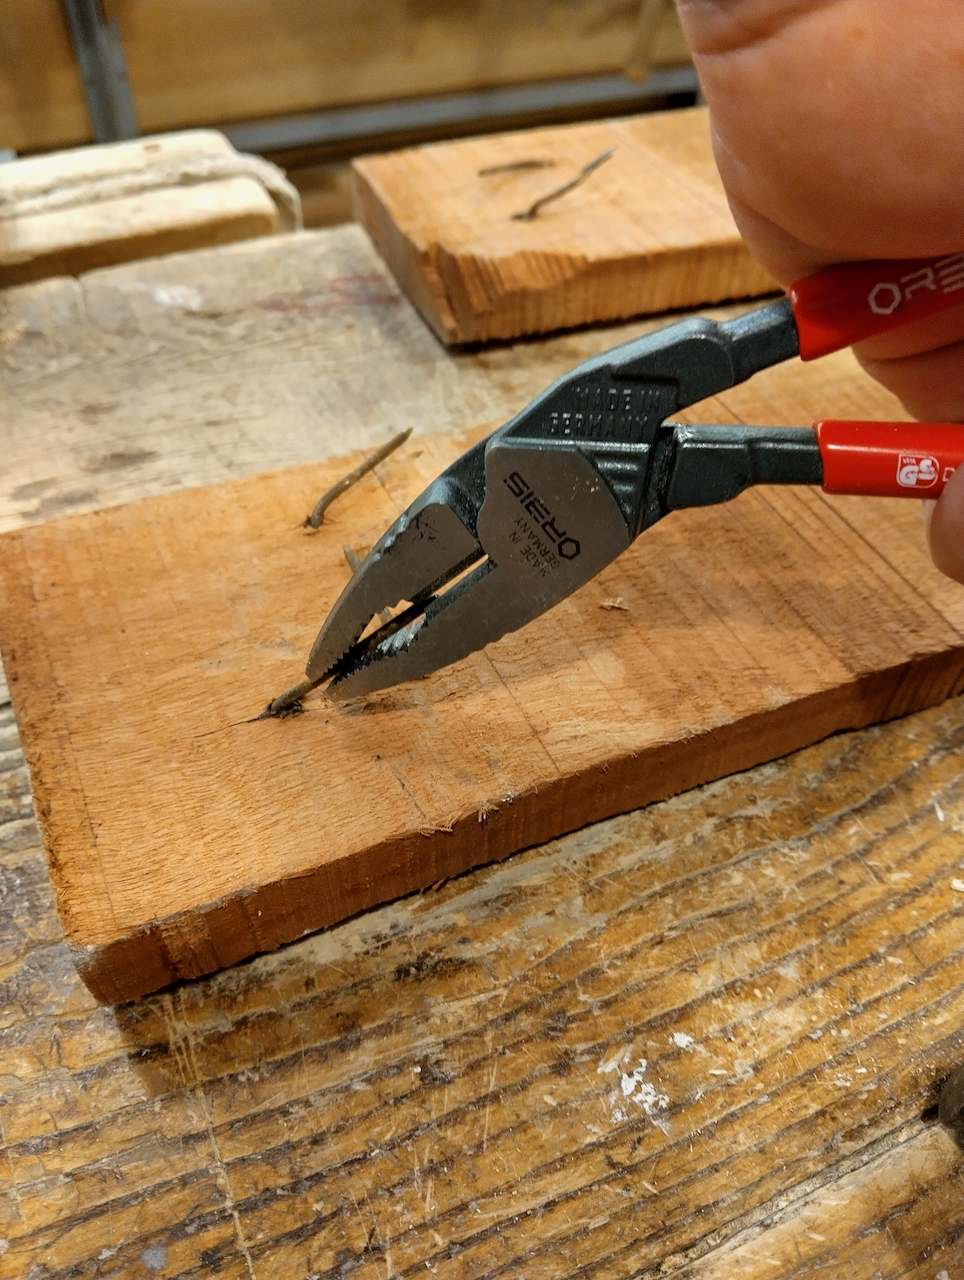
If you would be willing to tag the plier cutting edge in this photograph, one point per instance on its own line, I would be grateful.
(538, 508)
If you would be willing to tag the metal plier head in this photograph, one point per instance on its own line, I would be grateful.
(537, 509)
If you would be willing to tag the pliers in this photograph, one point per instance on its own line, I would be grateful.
(537, 509)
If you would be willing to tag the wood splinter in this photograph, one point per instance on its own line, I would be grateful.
(314, 520)
(533, 210)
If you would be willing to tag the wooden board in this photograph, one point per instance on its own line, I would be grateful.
(149, 636)
(420, 1084)
(209, 61)
(650, 230)
(73, 211)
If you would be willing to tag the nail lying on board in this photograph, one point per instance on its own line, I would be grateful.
(328, 497)
(528, 214)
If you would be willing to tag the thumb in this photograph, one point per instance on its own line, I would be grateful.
(945, 528)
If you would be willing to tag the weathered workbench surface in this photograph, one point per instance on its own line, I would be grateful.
(701, 1040)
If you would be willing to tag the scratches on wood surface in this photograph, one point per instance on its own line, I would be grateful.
(456, 1082)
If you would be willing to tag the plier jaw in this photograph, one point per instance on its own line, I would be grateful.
(429, 545)
(547, 523)
(526, 517)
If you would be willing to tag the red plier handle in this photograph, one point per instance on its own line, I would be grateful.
(844, 304)
(854, 300)
(889, 459)
(713, 463)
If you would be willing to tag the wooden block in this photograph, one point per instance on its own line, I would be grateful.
(140, 641)
(143, 226)
(649, 231)
(74, 211)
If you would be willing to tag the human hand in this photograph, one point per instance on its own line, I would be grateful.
(838, 128)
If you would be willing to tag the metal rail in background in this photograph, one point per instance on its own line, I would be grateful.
(103, 69)
(383, 119)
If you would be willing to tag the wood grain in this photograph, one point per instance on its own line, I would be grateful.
(650, 230)
(171, 1135)
(448, 1083)
(148, 637)
(208, 61)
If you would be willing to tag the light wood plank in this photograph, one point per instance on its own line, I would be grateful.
(143, 226)
(201, 367)
(648, 231)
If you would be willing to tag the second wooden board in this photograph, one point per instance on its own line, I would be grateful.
(648, 230)
(140, 641)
